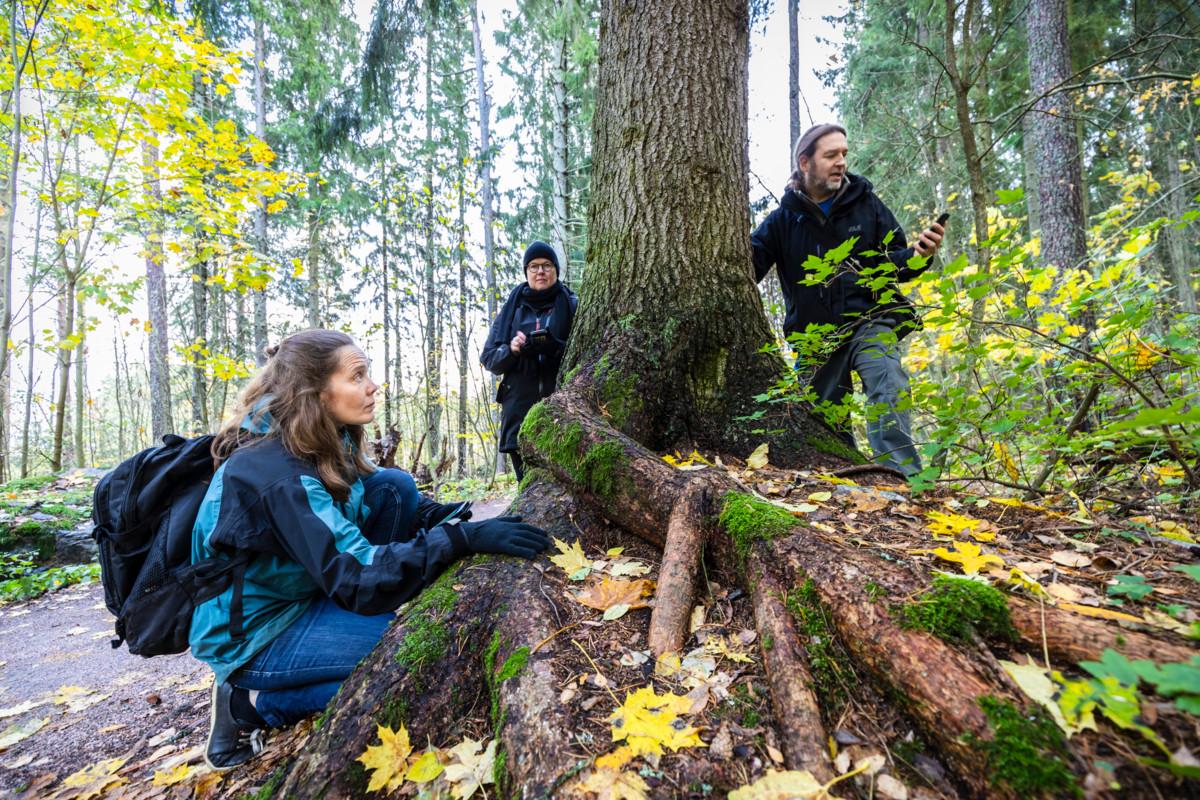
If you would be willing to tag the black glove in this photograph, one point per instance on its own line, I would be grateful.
(431, 513)
(507, 535)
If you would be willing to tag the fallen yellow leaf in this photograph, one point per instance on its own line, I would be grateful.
(1102, 613)
(758, 459)
(948, 526)
(571, 560)
(389, 759)
(968, 556)
(610, 784)
(648, 722)
(609, 592)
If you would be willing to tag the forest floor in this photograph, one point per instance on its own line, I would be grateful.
(81, 719)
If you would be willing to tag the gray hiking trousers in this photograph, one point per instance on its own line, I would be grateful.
(873, 352)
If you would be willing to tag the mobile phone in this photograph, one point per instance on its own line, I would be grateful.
(942, 219)
(539, 335)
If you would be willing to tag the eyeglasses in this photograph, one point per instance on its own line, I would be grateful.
(539, 267)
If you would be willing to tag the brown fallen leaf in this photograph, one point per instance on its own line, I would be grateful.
(1068, 558)
(609, 592)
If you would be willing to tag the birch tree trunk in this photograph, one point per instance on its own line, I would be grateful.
(433, 343)
(80, 382)
(793, 11)
(560, 200)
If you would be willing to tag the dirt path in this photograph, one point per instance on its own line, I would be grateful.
(57, 666)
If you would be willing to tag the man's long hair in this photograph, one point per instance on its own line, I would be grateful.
(293, 381)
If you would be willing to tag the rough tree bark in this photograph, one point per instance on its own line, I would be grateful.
(156, 301)
(1058, 161)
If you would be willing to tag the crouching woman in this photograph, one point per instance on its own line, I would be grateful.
(329, 543)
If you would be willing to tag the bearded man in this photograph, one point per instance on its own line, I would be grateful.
(855, 291)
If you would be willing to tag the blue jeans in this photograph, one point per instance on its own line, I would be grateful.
(300, 671)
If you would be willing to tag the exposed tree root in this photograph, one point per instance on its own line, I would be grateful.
(798, 713)
(677, 573)
(1072, 638)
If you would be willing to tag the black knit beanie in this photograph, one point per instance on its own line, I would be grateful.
(540, 250)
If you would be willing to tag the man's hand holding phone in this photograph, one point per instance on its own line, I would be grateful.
(931, 238)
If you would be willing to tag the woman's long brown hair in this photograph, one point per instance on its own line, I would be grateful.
(295, 375)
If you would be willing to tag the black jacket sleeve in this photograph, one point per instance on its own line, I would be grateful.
(496, 356)
(764, 243)
(357, 575)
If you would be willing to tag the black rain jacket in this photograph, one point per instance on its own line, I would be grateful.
(528, 377)
(864, 285)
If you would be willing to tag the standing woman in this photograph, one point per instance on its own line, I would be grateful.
(526, 343)
(328, 541)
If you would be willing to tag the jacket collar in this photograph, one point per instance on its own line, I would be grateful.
(854, 187)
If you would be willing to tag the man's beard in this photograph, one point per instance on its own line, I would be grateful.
(815, 186)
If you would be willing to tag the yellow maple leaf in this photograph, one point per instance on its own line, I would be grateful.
(789, 785)
(571, 560)
(389, 759)
(968, 556)
(472, 768)
(720, 646)
(647, 722)
(948, 526)
(94, 780)
(170, 777)
(1018, 577)
(616, 759)
(611, 784)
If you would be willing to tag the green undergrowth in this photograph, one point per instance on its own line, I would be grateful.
(1028, 754)
(749, 520)
(954, 608)
(267, 790)
(828, 662)
(599, 468)
(36, 583)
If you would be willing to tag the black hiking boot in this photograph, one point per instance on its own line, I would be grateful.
(431, 513)
(230, 743)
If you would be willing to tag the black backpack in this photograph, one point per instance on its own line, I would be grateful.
(144, 511)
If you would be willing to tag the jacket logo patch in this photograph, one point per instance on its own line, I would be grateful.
(854, 229)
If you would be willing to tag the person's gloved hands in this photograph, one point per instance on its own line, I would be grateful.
(507, 535)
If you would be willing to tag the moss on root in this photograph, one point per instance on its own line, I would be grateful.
(617, 392)
(954, 608)
(511, 668)
(599, 468)
(749, 520)
(427, 637)
(830, 668)
(833, 445)
(1028, 753)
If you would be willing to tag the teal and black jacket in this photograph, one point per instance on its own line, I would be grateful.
(268, 504)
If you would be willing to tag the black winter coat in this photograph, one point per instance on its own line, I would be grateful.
(529, 376)
(798, 228)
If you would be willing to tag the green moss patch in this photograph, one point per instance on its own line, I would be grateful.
(511, 668)
(1028, 754)
(827, 661)
(749, 520)
(954, 608)
(427, 637)
(599, 469)
(617, 392)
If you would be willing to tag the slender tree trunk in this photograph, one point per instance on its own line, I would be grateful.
(314, 258)
(32, 340)
(80, 381)
(118, 392)
(433, 355)
(793, 11)
(1182, 268)
(1060, 178)
(385, 279)
(260, 216)
(485, 164)
(66, 330)
(200, 342)
(463, 333)
(559, 137)
(8, 210)
(1029, 155)
(156, 300)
